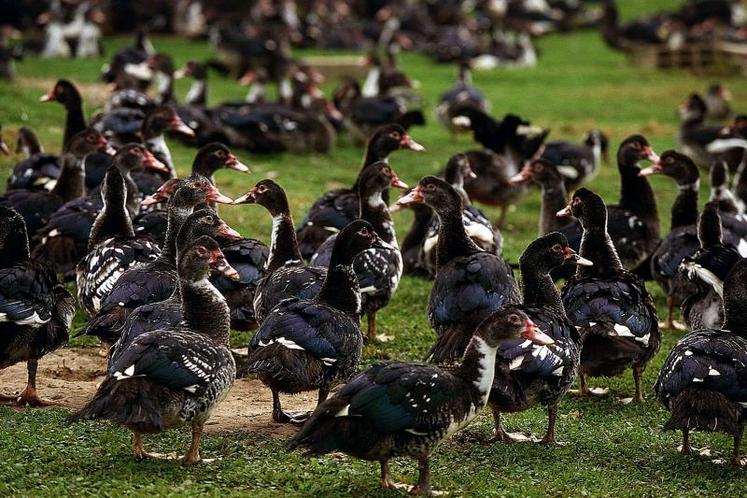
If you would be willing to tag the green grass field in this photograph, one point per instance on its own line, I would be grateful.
(611, 449)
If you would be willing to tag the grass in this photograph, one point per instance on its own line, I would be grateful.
(612, 449)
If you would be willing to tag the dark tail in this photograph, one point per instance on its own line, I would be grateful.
(703, 410)
(411, 118)
(107, 323)
(136, 403)
(450, 346)
(324, 432)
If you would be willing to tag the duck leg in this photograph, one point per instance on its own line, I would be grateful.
(584, 391)
(193, 454)
(670, 322)
(735, 458)
(501, 435)
(371, 319)
(637, 375)
(141, 454)
(686, 448)
(423, 487)
(552, 415)
(282, 417)
(386, 478)
(29, 396)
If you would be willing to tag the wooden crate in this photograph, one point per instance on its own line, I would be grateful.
(697, 57)
(337, 67)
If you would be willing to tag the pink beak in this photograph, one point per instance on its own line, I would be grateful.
(534, 334)
(409, 143)
(414, 197)
(151, 162)
(178, 125)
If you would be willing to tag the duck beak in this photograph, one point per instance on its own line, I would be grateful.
(566, 212)
(248, 198)
(151, 162)
(654, 169)
(49, 97)
(333, 112)
(233, 163)
(4, 148)
(178, 125)
(247, 78)
(227, 232)
(153, 199)
(216, 196)
(180, 73)
(218, 262)
(648, 153)
(408, 143)
(572, 256)
(470, 172)
(377, 243)
(396, 182)
(105, 147)
(534, 334)
(522, 177)
(414, 197)
(461, 122)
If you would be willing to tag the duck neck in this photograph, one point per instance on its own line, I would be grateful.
(112, 221)
(74, 122)
(554, 198)
(284, 245)
(176, 217)
(419, 228)
(205, 309)
(165, 87)
(15, 249)
(197, 94)
(71, 183)
(538, 288)
(453, 241)
(478, 367)
(740, 189)
(374, 210)
(685, 206)
(30, 145)
(340, 289)
(636, 194)
(596, 246)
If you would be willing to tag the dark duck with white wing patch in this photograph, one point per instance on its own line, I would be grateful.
(378, 269)
(609, 305)
(469, 283)
(312, 344)
(174, 376)
(706, 270)
(286, 274)
(703, 382)
(527, 374)
(35, 309)
(407, 409)
(578, 163)
(337, 208)
(462, 94)
(39, 171)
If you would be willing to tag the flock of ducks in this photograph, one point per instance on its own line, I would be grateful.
(162, 279)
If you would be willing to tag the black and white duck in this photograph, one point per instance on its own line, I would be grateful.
(706, 270)
(310, 344)
(174, 376)
(469, 283)
(112, 245)
(717, 98)
(694, 134)
(412, 243)
(156, 280)
(578, 163)
(533, 374)
(477, 225)
(703, 382)
(35, 309)
(286, 274)
(337, 208)
(397, 409)
(378, 269)
(721, 192)
(38, 171)
(462, 93)
(608, 304)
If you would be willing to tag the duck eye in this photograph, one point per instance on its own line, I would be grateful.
(394, 135)
(221, 154)
(201, 251)
(430, 186)
(262, 189)
(538, 168)
(669, 160)
(636, 145)
(514, 318)
(557, 248)
(210, 219)
(363, 231)
(387, 171)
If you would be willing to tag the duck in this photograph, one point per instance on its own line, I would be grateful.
(609, 305)
(412, 243)
(396, 408)
(154, 281)
(477, 225)
(702, 382)
(37, 207)
(469, 283)
(378, 269)
(716, 98)
(112, 245)
(462, 93)
(578, 163)
(67, 94)
(286, 275)
(131, 61)
(312, 344)
(694, 134)
(707, 270)
(168, 313)
(38, 171)
(174, 376)
(682, 240)
(36, 310)
(720, 191)
(337, 208)
(528, 374)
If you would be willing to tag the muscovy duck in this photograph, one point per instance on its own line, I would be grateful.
(309, 344)
(703, 382)
(694, 135)
(462, 93)
(38, 171)
(406, 409)
(717, 98)
(528, 375)
(68, 95)
(286, 274)
(112, 245)
(609, 305)
(337, 208)
(37, 207)
(35, 309)
(154, 281)
(469, 283)
(412, 243)
(477, 225)
(721, 194)
(706, 270)
(174, 376)
(578, 163)
(378, 269)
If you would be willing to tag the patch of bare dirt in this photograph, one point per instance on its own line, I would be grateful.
(69, 378)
